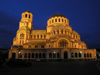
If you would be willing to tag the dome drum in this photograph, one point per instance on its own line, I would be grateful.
(58, 19)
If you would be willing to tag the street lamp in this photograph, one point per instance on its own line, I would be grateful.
(80, 51)
(54, 52)
(19, 52)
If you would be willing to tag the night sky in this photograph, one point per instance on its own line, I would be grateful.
(83, 15)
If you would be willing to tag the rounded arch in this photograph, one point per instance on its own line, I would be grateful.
(14, 55)
(63, 42)
(65, 55)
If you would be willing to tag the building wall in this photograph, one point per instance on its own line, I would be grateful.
(57, 38)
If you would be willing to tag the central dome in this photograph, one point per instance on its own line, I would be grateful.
(57, 15)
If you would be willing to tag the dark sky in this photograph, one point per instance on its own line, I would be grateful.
(83, 15)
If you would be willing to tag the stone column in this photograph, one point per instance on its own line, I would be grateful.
(16, 54)
(46, 52)
(82, 54)
(62, 55)
(10, 54)
(69, 54)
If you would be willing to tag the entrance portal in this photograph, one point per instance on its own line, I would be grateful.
(13, 55)
(65, 55)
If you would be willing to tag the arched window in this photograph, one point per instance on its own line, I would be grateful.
(29, 16)
(65, 55)
(82, 46)
(32, 55)
(84, 54)
(87, 54)
(55, 20)
(36, 55)
(54, 32)
(41, 36)
(40, 55)
(31, 36)
(37, 36)
(44, 36)
(62, 20)
(65, 21)
(52, 20)
(72, 54)
(25, 15)
(57, 55)
(29, 55)
(90, 55)
(54, 55)
(75, 46)
(22, 41)
(43, 55)
(61, 31)
(73, 36)
(65, 31)
(49, 45)
(20, 55)
(59, 20)
(76, 36)
(63, 43)
(25, 55)
(80, 54)
(42, 46)
(57, 31)
(36, 46)
(22, 35)
(29, 46)
(50, 55)
(34, 36)
(75, 54)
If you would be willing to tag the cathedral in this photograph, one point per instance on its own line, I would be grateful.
(57, 42)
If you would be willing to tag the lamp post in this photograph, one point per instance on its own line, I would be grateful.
(19, 52)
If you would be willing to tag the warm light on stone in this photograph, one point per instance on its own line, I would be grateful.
(58, 41)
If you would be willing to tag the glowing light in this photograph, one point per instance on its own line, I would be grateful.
(80, 51)
(19, 52)
(54, 52)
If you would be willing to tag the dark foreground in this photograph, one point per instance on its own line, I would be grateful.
(54, 68)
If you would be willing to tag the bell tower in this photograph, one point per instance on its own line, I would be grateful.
(26, 20)
(25, 26)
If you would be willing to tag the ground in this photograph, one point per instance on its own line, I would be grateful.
(55, 68)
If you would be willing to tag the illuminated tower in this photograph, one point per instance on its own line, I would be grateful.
(25, 27)
(26, 20)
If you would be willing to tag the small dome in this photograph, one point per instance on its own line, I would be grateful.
(74, 32)
(57, 15)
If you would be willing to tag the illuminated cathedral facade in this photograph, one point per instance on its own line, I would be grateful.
(57, 42)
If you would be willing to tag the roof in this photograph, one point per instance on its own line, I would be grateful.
(36, 42)
(80, 42)
(23, 28)
(57, 15)
(38, 32)
(74, 32)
